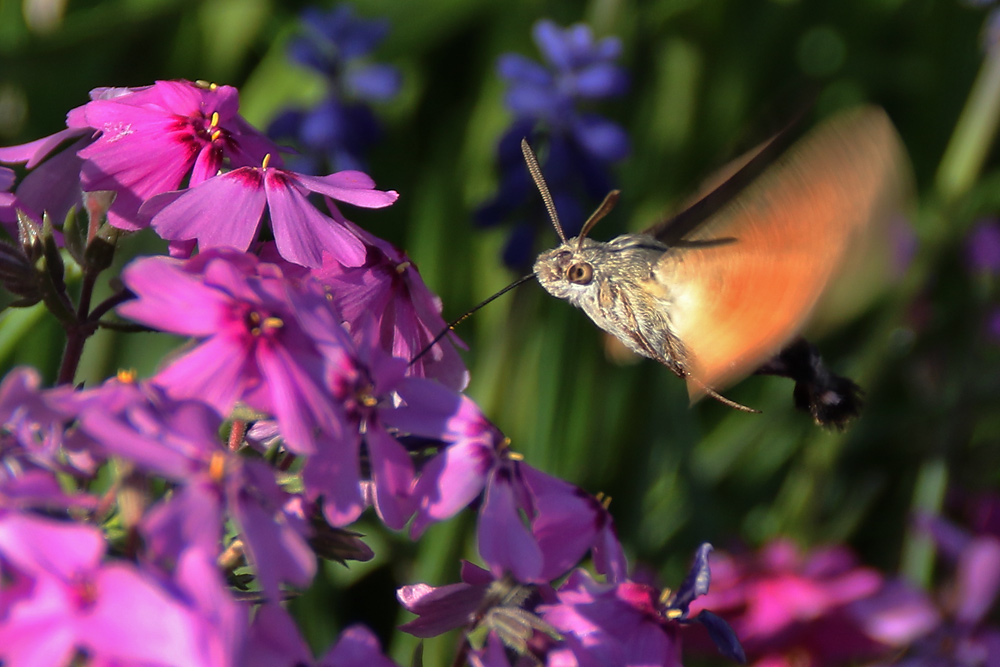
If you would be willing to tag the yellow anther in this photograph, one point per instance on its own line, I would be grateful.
(673, 614)
(267, 160)
(402, 267)
(215, 119)
(126, 375)
(216, 466)
(215, 135)
(273, 323)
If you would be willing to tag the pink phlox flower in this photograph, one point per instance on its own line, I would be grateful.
(365, 389)
(227, 210)
(782, 601)
(629, 623)
(178, 440)
(388, 287)
(153, 140)
(35, 442)
(443, 608)
(262, 340)
(75, 599)
(615, 624)
(564, 522)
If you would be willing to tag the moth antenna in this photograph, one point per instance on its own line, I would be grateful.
(455, 323)
(609, 202)
(536, 175)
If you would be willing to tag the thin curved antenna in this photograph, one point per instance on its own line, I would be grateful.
(461, 319)
(609, 202)
(536, 175)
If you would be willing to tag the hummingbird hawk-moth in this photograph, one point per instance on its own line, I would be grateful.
(723, 289)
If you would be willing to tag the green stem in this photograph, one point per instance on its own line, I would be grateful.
(974, 132)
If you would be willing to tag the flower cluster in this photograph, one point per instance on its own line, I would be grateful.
(341, 129)
(578, 145)
(819, 608)
(199, 498)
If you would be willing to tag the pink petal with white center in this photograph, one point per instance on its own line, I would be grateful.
(301, 232)
(351, 187)
(173, 300)
(224, 211)
(504, 541)
(392, 477)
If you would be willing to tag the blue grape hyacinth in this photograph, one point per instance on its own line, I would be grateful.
(338, 132)
(575, 146)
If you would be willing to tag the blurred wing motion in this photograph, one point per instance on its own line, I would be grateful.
(744, 281)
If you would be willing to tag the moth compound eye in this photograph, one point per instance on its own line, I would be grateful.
(580, 273)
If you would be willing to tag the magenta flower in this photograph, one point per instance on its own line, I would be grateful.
(787, 606)
(388, 288)
(564, 522)
(253, 346)
(60, 596)
(178, 441)
(226, 211)
(154, 138)
(443, 608)
(632, 624)
(365, 387)
(35, 446)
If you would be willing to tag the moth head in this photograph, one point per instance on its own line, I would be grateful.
(569, 268)
(568, 263)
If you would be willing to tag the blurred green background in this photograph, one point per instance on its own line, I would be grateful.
(708, 78)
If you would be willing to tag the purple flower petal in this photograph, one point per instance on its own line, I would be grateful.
(352, 187)
(449, 482)
(172, 299)
(334, 472)
(392, 475)
(223, 211)
(301, 232)
(978, 575)
(504, 541)
(35, 151)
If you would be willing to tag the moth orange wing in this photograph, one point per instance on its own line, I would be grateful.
(744, 282)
